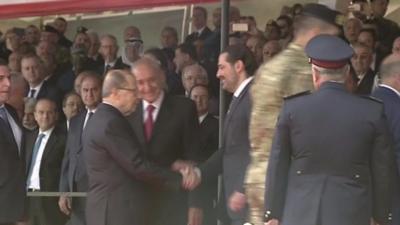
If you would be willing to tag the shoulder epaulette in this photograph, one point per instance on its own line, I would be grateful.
(372, 98)
(297, 95)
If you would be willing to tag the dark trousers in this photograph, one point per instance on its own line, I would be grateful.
(36, 213)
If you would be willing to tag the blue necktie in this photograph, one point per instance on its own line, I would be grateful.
(35, 152)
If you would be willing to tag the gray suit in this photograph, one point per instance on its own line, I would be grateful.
(232, 159)
(73, 173)
(331, 160)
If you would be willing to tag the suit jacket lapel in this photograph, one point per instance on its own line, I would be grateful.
(233, 107)
(50, 144)
(163, 115)
(138, 126)
(81, 121)
(30, 143)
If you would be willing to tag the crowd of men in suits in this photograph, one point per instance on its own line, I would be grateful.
(139, 132)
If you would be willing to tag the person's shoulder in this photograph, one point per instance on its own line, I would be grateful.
(297, 95)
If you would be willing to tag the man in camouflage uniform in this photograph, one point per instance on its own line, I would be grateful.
(286, 74)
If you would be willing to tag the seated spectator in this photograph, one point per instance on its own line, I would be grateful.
(169, 41)
(109, 50)
(93, 52)
(270, 49)
(396, 46)
(34, 72)
(192, 75)
(368, 37)
(14, 62)
(272, 30)
(32, 35)
(60, 24)
(255, 44)
(352, 28)
(72, 105)
(28, 119)
(387, 30)
(361, 62)
(199, 23)
(285, 24)
(208, 136)
(133, 45)
(185, 55)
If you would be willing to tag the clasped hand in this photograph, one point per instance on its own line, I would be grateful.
(190, 173)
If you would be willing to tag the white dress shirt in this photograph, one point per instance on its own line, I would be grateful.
(37, 89)
(87, 115)
(242, 86)
(157, 104)
(34, 179)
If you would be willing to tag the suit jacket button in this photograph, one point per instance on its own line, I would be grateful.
(298, 172)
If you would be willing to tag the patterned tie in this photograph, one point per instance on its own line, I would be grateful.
(149, 123)
(32, 93)
(35, 151)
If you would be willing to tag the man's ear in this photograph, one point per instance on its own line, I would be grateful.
(239, 66)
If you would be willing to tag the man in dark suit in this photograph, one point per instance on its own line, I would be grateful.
(236, 66)
(73, 174)
(208, 136)
(199, 22)
(44, 152)
(109, 50)
(361, 62)
(329, 165)
(167, 129)
(389, 92)
(32, 69)
(116, 166)
(12, 161)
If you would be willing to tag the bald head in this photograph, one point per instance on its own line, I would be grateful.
(390, 71)
(119, 90)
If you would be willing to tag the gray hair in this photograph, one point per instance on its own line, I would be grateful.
(114, 79)
(333, 74)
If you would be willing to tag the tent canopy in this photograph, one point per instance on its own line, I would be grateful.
(29, 8)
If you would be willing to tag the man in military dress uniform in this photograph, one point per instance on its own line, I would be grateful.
(286, 74)
(331, 160)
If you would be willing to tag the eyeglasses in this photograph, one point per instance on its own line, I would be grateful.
(128, 89)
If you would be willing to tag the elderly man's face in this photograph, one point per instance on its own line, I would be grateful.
(149, 82)
(361, 60)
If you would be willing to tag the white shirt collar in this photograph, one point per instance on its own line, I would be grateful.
(389, 87)
(37, 88)
(47, 132)
(199, 31)
(202, 117)
(242, 86)
(156, 103)
(111, 64)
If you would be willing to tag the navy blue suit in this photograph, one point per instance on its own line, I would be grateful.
(331, 160)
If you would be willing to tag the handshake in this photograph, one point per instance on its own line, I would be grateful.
(190, 173)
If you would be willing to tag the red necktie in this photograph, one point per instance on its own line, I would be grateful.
(149, 123)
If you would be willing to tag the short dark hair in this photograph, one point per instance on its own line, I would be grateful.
(69, 94)
(200, 85)
(242, 53)
(288, 20)
(171, 30)
(62, 19)
(202, 9)
(188, 48)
